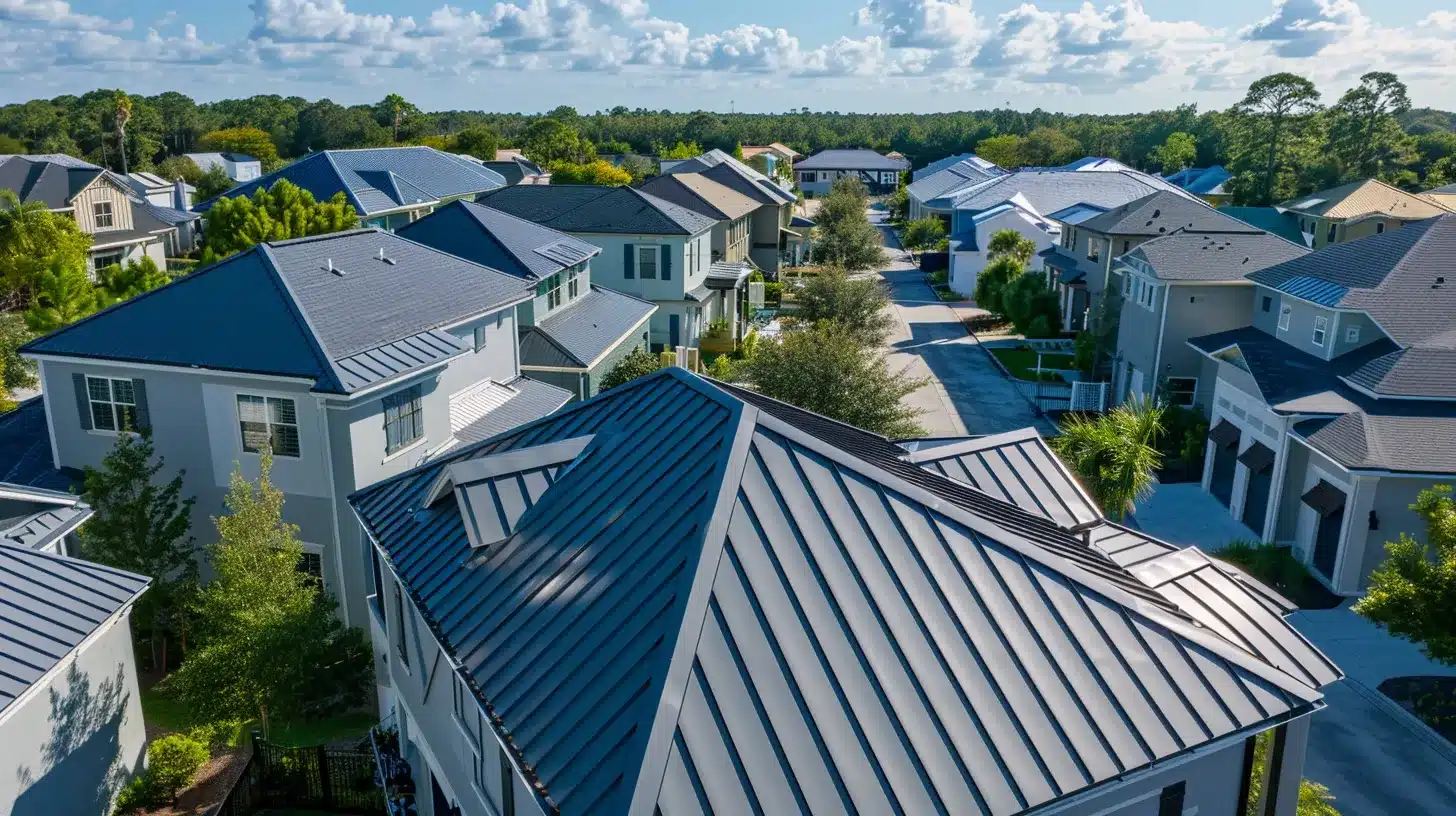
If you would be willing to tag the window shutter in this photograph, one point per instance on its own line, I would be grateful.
(1170, 802)
(627, 270)
(665, 261)
(143, 414)
(83, 401)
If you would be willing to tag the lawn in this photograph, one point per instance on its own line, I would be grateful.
(1021, 362)
(169, 716)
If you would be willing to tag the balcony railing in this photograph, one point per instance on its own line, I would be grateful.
(391, 771)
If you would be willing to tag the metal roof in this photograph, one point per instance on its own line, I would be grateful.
(25, 450)
(499, 240)
(589, 208)
(856, 159)
(586, 328)
(519, 401)
(37, 518)
(1201, 180)
(717, 610)
(413, 353)
(51, 604)
(1270, 220)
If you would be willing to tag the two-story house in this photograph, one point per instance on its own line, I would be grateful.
(774, 239)
(351, 356)
(778, 159)
(682, 597)
(652, 249)
(1337, 406)
(1358, 209)
(572, 332)
(100, 201)
(938, 181)
(71, 730)
(879, 173)
(388, 186)
(239, 167)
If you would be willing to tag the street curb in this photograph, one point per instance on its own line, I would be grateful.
(1412, 723)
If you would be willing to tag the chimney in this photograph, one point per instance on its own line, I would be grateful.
(180, 199)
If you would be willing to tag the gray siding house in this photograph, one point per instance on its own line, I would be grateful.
(933, 187)
(880, 173)
(352, 356)
(1337, 406)
(681, 597)
(652, 249)
(572, 332)
(71, 731)
(774, 239)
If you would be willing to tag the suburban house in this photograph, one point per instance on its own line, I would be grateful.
(1187, 284)
(1208, 183)
(1038, 203)
(682, 597)
(572, 332)
(652, 249)
(388, 186)
(1358, 209)
(517, 169)
(71, 731)
(776, 156)
(775, 240)
(99, 200)
(353, 356)
(239, 167)
(945, 180)
(880, 174)
(161, 192)
(1337, 405)
(1444, 196)
(1271, 220)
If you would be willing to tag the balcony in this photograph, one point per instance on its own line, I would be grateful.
(391, 771)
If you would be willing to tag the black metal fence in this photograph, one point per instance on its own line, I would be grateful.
(316, 778)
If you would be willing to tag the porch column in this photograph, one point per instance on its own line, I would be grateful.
(1283, 769)
(1276, 489)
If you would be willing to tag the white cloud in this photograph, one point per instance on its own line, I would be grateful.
(923, 23)
(56, 14)
(1303, 28)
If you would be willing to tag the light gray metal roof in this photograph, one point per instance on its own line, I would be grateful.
(49, 604)
(36, 518)
(399, 357)
(533, 400)
(719, 611)
(587, 328)
(1017, 467)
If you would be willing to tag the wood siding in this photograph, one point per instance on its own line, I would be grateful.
(99, 191)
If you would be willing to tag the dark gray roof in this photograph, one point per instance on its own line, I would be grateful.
(1220, 257)
(588, 208)
(1017, 467)
(1290, 379)
(958, 174)
(856, 159)
(589, 327)
(25, 450)
(731, 614)
(279, 309)
(379, 179)
(1161, 213)
(48, 179)
(1412, 441)
(1391, 276)
(499, 240)
(1071, 267)
(164, 216)
(37, 518)
(1050, 191)
(1410, 372)
(51, 604)
(533, 400)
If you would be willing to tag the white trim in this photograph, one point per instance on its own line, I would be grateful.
(238, 421)
(106, 361)
(424, 439)
(352, 399)
(45, 396)
(323, 416)
(65, 662)
(1162, 327)
(529, 296)
(1317, 330)
(148, 238)
(1285, 313)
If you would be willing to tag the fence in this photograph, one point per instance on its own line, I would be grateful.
(315, 778)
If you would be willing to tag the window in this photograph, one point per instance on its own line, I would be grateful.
(268, 422)
(311, 563)
(480, 337)
(1181, 390)
(1126, 245)
(401, 641)
(1379, 227)
(1284, 312)
(1267, 303)
(508, 788)
(113, 404)
(553, 291)
(806, 177)
(573, 286)
(101, 260)
(404, 420)
(101, 211)
(1330, 237)
(1094, 249)
(1352, 334)
(1170, 801)
(647, 262)
(1320, 325)
(374, 568)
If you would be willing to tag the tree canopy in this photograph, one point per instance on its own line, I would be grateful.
(1114, 454)
(1413, 592)
(599, 171)
(844, 237)
(1178, 152)
(249, 141)
(278, 213)
(857, 305)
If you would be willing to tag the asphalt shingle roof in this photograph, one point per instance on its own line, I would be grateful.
(702, 195)
(856, 159)
(50, 180)
(379, 179)
(730, 172)
(1361, 198)
(1410, 372)
(1415, 441)
(1213, 257)
(499, 240)
(1161, 213)
(585, 330)
(791, 625)
(293, 309)
(1050, 191)
(587, 208)
(1288, 377)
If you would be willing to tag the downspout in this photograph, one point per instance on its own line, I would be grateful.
(323, 412)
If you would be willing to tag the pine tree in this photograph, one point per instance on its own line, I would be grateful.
(63, 294)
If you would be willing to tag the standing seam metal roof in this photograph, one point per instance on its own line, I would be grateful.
(578, 208)
(499, 240)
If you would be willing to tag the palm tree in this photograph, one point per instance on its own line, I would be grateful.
(1114, 454)
(123, 115)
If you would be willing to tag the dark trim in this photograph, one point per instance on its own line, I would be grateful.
(1273, 770)
(1246, 780)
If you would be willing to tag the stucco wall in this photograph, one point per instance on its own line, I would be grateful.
(70, 755)
(763, 236)
(966, 266)
(1194, 311)
(1392, 500)
(608, 267)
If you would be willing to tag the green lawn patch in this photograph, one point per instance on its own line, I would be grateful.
(947, 294)
(170, 716)
(938, 277)
(1021, 362)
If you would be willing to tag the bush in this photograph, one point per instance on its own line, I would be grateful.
(1273, 565)
(172, 763)
(773, 293)
(637, 364)
(1031, 306)
(923, 233)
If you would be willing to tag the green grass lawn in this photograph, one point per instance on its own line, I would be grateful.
(1021, 362)
(170, 716)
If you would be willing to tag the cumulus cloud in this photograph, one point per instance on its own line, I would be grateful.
(56, 14)
(1303, 28)
(923, 23)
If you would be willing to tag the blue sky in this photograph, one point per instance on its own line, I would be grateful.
(756, 55)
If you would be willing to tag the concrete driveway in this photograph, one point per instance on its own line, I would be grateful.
(967, 394)
(1185, 515)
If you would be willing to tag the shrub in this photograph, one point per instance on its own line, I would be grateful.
(173, 762)
(637, 364)
(1270, 563)
(923, 233)
(773, 293)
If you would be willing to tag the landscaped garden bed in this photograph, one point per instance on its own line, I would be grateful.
(1432, 699)
(1020, 362)
(1279, 570)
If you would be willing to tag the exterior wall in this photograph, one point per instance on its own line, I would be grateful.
(608, 267)
(763, 237)
(1366, 332)
(1235, 401)
(1194, 311)
(1305, 520)
(1302, 316)
(640, 339)
(966, 266)
(878, 181)
(536, 310)
(96, 259)
(735, 239)
(243, 171)
(1346, 230)
(1212, 782)
(94, 723)
(1289, 500)
(1137, 339)
(102, 191)
(1392, 499)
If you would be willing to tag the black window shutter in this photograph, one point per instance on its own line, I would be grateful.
(627, 271)
(666, 261)
(143, 413)
(83, 401)
(1170, 803)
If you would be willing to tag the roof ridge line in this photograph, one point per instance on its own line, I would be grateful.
(302, 320)
(333, 165)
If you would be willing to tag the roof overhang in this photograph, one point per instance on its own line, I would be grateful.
(139, 239)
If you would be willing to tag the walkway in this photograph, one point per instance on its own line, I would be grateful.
(1185, 515)
(967, 394)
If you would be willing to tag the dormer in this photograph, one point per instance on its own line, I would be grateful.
(495, 492)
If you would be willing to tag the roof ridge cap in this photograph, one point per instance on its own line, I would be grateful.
(333, 375)
(338, 171)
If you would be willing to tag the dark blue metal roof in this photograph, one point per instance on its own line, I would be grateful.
(25, 450)
(499, 240)
(1314, 290)
(51, 604)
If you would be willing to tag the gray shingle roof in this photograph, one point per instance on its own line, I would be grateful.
(1391, 276)
(1410, 372)
(730, 172)
(732, 614)
(702, 195)
(1419, 441)
(968, 171)
(1213, 257)
(585, 330)
(1050, 191)
(52, 603)
(1161, 213)
(379, 179)
(499, 240)
(279, 309)
(50, 180)
(856, 159)
(586, 208)
(1289, 377)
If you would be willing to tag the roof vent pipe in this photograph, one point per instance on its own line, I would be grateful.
(334, 269)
